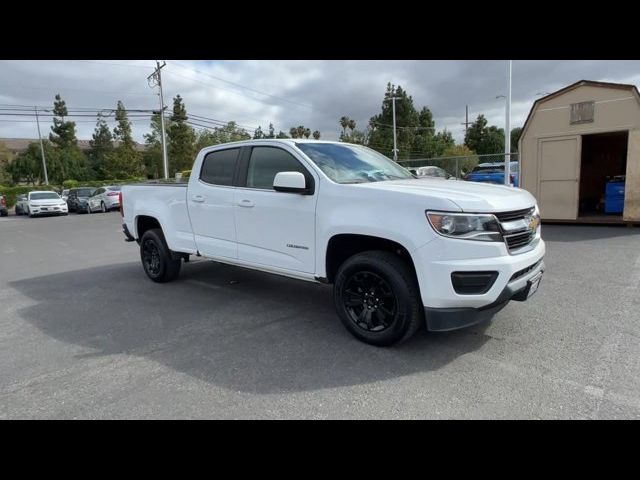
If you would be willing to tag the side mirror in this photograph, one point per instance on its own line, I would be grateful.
(290, 182)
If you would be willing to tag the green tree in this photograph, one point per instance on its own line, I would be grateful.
(352, 125)
(5, 159)
(125, 161)
(152, 156)
(484, 139)
(271, 131)
(316, 134)
(475, 132)
(465, 158)
(281, 134)
(27, 165)
(407, 121)
(515, 136)
(258, 133)
(307, 132)
(293, 131)
(101, 148)
(344, 123)
(67, 160)
(206, 138)
(182, 139)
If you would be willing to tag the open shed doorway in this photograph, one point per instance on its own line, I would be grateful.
(604, 158)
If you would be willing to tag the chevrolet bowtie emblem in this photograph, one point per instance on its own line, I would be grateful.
(533, 222)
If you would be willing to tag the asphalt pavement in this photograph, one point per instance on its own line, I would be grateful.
(84, 334)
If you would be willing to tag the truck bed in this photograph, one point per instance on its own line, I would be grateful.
(166, 201)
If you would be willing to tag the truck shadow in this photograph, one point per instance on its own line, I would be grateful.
(236, 328)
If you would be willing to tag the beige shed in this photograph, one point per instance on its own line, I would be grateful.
(576, 141)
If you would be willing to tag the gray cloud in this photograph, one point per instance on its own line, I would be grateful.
(288, 93)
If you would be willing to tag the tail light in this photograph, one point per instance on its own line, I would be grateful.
(112, 194)
(121, 205)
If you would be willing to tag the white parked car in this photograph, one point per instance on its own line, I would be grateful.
(433, 172)
(401, 252)
(104, 199)
(45, 203)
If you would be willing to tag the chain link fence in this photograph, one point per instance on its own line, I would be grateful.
(456, 166)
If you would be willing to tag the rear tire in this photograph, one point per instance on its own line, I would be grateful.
(377, 298)
(156, 257)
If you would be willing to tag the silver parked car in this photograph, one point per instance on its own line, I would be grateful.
(104, 199)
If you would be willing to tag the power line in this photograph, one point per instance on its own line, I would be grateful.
(244, 87)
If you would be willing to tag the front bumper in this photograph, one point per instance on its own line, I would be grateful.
(445, 319)
(49, 210)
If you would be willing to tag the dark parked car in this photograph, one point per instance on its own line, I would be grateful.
(77, 199)
(3, 206)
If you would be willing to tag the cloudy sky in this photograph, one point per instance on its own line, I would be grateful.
(290, 93)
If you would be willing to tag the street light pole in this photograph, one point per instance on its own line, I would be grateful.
(395, 150)
(44, 162)
(507, 131)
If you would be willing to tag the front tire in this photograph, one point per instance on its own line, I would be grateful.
(89, 209)
(377, 298)
(103, 207)
(156, 257)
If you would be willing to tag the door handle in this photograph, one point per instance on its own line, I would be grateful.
(245, 203)
(198, 198)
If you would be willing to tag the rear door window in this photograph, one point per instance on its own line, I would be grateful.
(219, 167)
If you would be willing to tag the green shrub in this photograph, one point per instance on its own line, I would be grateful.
(70, 184)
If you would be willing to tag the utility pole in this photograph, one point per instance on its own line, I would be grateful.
(155, 79)
(395, 150)
(44, 162)
(466, 122)
(507, 130)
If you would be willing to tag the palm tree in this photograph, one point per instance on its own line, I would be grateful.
(293, 131)
(352, 125)
(344, 123)
(300, 131)
(316, 134)
(307, 132)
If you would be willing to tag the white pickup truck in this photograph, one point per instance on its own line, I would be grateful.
(401, 252)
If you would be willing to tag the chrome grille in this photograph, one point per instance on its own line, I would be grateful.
(515, 215)
(521, 237)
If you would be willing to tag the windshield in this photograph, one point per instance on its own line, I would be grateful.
(353, 163)
(85, 192)
(44, 196)
(114, 189)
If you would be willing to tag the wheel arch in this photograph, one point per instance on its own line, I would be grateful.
(342, 246)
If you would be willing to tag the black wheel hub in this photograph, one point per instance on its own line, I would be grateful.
(151, 257)
(369, 301)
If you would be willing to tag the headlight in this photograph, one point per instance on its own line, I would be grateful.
(483, 227)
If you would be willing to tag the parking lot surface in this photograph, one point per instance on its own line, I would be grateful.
(84, 334)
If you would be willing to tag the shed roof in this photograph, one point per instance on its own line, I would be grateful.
(580, 83)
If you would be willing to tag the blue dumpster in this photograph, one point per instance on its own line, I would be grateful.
(614, 197)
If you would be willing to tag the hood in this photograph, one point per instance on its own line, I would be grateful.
(48, 201)
(468, 196)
